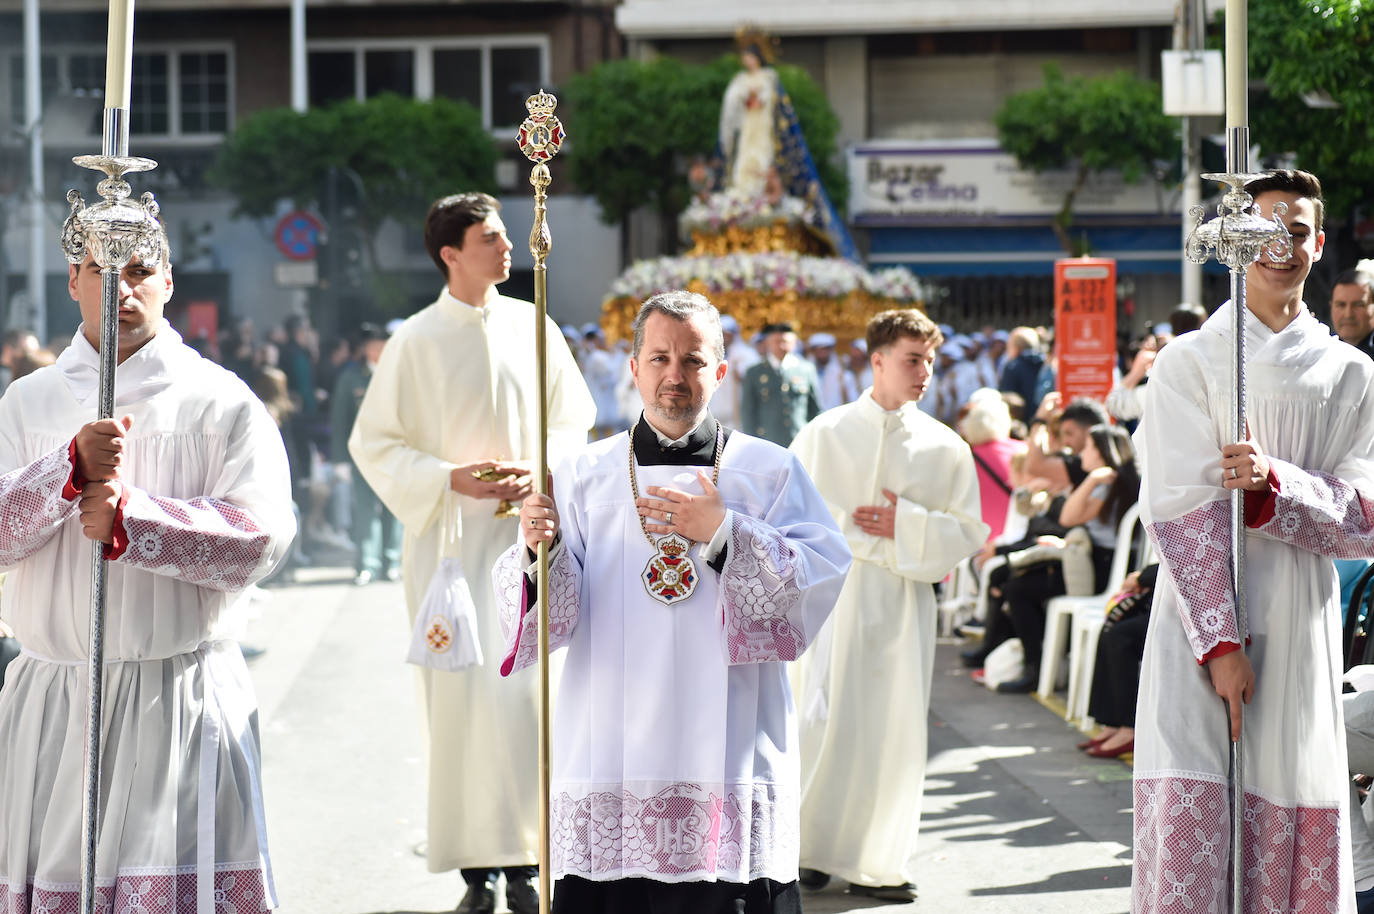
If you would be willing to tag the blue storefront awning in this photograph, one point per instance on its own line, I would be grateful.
(1021, 250)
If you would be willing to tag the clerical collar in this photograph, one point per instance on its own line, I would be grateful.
(697, 449)
(448, 296)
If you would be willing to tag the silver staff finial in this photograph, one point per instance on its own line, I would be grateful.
(116, 229)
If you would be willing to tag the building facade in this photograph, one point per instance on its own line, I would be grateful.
(200, 66)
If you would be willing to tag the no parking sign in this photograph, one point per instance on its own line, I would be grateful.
(298, 235)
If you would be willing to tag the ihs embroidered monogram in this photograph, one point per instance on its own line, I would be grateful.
(671, 575)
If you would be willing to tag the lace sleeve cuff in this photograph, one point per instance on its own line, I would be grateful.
(1319, 512)
(1197, 551)
(34, 501)
(761, 592)
(514, 592)
(204, 541)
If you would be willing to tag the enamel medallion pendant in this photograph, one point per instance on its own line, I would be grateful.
(670, 577)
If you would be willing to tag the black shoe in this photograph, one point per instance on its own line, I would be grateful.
(901, 894)
(1023, 686)
(480, 898)
(974, 657)
(522, 896)
(815, 880)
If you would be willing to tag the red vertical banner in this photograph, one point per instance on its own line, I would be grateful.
(1085, 326)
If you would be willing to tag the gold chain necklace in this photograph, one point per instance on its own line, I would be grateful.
(671, 575)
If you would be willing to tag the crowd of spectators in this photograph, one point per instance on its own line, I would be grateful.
(309, 388)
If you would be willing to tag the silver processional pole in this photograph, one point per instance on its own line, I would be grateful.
(1238, 236)
(113, 232)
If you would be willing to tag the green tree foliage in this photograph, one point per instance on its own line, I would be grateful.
(1316, 46)
(1087, 125)
(636, 125)
(385, 158)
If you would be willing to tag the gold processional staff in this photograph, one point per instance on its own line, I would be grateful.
(540, 137)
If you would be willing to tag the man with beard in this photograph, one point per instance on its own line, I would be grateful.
(685, 561)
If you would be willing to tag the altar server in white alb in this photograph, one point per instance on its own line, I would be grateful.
(903, 489)
(1308, 476)
(189, 491)
(453, 395)
(687, 562)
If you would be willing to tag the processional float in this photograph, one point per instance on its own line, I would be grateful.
(539, 139)
(113, 231)
(1238, 236)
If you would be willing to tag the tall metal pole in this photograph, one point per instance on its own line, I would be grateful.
(1238, 236)
(298, 60)
(540, 137)
(33, 117)
(113, 232)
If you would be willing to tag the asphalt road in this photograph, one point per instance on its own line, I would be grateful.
(1015, 819)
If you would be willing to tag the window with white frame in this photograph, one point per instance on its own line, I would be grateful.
(494, 74)
(176, 94)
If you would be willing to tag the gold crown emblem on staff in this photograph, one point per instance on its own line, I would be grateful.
(541, 135)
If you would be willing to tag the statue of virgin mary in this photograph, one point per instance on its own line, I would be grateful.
(762, 143)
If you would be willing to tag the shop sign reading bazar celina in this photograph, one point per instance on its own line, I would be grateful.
(911, 182)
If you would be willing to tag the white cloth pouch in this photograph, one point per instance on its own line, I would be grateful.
(445, 635)
(1006, 663)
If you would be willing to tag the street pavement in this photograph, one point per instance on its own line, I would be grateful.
(1015, 819)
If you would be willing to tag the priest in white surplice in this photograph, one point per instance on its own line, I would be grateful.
(189, 491)
(688, 560)
(903, 488)
(454, 394)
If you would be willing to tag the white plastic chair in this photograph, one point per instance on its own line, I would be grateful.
(960, 598)
(1088, 622)
(1087, 627)
(1059, 612)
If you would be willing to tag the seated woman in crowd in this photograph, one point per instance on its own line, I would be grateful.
(985, 424)
(1116, 673)
(1097, 504)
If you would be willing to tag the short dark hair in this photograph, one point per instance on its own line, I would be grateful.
(1186, 318)
(1293, 181)
(369, 332)
(1085, 411)
(1354, 277)
(448, 221)
(886, 327)
(680, 305)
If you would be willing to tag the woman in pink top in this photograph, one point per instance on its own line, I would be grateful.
(986, 426)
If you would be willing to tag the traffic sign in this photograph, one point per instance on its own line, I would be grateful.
(298, 235)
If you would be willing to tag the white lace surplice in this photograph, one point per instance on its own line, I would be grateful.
(675, 744)
(208, 513)
(1311, 411)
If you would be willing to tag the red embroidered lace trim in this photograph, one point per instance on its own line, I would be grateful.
(1182, 865)
(206, 541)
(1197, 551)
(34, 502)
(520, 626)
(682, 832)
(1320, 513)
(236, 892)
(760, 585)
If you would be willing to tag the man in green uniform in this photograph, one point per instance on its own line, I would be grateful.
(781, 393)
(376, 535)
